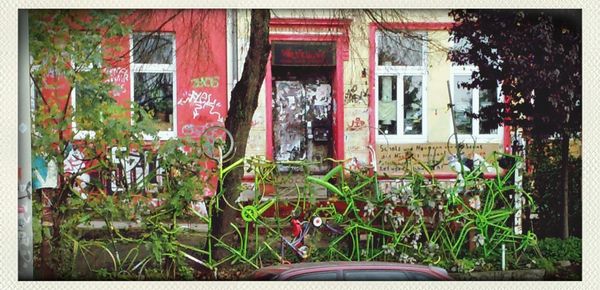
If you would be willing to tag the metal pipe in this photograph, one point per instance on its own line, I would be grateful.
(232, 51)
(458, 151)
(25, 229)
(503, 257)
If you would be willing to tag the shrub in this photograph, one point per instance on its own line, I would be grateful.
(558, 250)
(545, 264)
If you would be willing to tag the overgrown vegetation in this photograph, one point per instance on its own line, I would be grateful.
(534, 56)
(544, 160)
(460, 225)
(411, 220)
(555, 249)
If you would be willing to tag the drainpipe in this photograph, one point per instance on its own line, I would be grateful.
(232, 51)
(25, 230)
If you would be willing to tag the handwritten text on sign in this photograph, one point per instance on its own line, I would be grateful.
(391, 158)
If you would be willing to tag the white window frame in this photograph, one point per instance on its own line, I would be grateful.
(475, 136)
(400, 72)
(155, 68)
(83, 134)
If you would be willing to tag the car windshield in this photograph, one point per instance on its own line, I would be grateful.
(375, 275)
(317, 276)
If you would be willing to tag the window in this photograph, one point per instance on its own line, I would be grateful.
(469, 102)
(375, 275)
(415, 276)
(86, 62)
(153, 81)
(400, 86)
(83, 101)
(316, 276)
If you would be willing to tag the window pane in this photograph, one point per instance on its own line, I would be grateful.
(156, 49)
(318, 276)
(486, 99)
(154, 93)
(375, 275)
(387, 108)
(463, 103)
(413, 105)
(461, 47)
(400, 50)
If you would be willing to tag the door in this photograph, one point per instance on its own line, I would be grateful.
(302, 116)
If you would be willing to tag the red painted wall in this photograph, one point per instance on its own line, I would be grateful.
(201, 65)
(201, 59)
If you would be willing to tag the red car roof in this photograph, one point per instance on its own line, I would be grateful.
(287, 270)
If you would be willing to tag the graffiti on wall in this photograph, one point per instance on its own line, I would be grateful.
(355, 96)
(25, 241)
(356, 125)
(205, 82)
(117, 76)
(196, 130)
(356, 119)
(74, 162)
(133, 169)
(201, 101)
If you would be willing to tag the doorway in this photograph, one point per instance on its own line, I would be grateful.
(303, 115)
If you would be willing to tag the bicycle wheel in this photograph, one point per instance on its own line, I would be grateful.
(217, 143)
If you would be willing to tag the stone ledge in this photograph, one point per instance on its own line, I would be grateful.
(512, 275)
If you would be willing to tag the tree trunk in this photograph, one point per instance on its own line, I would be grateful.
(565, 183)
(243, 103)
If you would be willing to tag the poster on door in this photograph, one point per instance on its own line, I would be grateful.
(302, 122)
(289, 131)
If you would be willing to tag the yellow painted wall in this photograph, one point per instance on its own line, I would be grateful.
(439, 125)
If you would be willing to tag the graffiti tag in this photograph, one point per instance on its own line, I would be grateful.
(134, 169)
(118, 75)
(205, 82)
(74, 162)
(197, 129)
(356, 125)
(354, 96)
(201, 101)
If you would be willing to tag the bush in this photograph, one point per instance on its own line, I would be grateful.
(545, 183)
(545, 264)
(558, 250)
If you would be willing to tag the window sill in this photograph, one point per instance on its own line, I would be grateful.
(479, 139)
(82, 135)
(162, 135)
